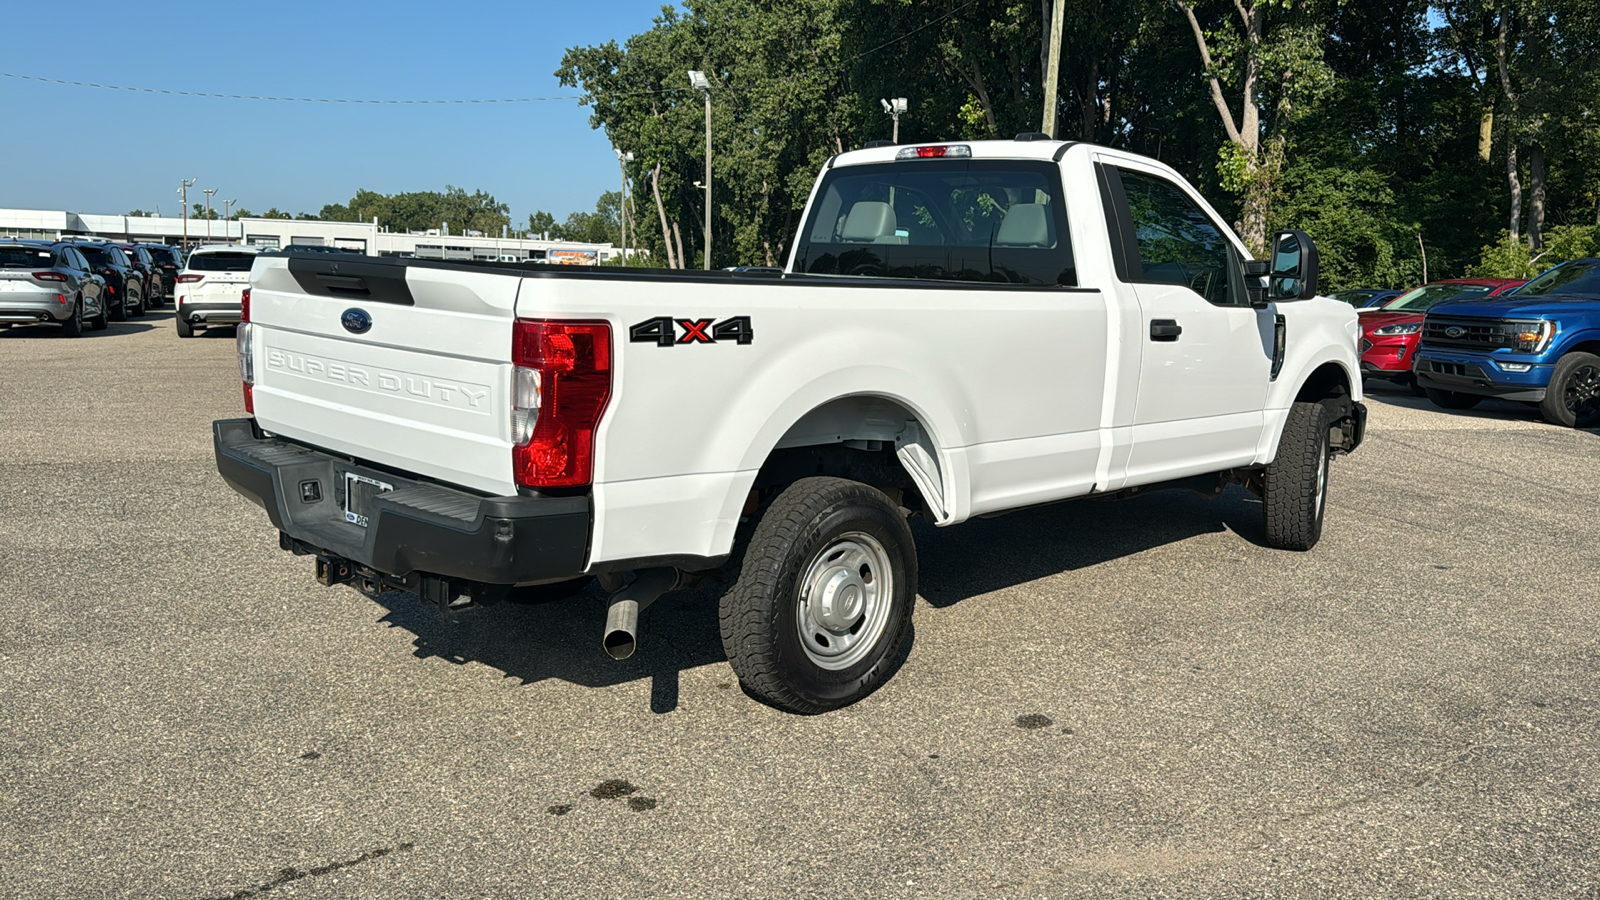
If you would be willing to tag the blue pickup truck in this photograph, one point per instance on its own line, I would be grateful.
(1539, 344)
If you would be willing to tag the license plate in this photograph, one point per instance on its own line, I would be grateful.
(358, 493)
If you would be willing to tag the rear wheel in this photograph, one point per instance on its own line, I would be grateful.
(1573, 398)
(117, 306)
(821, 612)
(1452, 399)
(73, 326)
(138, 303)
(185, 330)
(1295, 486)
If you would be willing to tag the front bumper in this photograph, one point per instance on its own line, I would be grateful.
(1387, 356)
(418, 530)
(1470, 373)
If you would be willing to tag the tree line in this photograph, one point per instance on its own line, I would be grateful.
(1411, 138)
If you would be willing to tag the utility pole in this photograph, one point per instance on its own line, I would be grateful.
(622, 160)
(227, 230)
(183, 189)
(1053, 69)
(894, 108)
(701, 83)
(208, 193)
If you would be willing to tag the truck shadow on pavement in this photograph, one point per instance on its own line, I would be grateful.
(680, 631)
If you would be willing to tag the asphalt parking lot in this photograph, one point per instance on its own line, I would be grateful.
(1103, 699)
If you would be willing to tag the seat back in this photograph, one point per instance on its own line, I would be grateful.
(868, 221)
(1025, 225)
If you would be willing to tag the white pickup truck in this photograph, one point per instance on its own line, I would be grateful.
(963, 329)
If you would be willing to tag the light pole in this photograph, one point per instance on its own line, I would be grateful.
(700, 82)
(183, 189)
(622, 160)
(227, 232)
(894, 108)
(208, 192)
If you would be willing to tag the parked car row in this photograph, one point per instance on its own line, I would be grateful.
(1461, 340)
(79, 282)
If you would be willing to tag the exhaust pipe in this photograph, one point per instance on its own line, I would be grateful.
(622, 619)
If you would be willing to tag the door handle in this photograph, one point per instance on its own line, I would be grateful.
(1165, 330)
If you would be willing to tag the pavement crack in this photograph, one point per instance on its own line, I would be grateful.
(290, 874)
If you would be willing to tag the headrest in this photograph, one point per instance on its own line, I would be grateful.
(1025, 225)
(867, 221)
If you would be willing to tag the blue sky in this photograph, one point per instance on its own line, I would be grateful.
(102, 151)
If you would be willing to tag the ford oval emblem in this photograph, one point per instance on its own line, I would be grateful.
(1454, 331)
(356, 321)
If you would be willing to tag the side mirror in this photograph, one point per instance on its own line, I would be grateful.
(1294, 267)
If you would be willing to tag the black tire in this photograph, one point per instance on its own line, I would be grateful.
(119, 312)
(1573, 398)
(1452, 399)
(1294, 492)
(138, 305)
(185, 330)
(1411, 382)
(818, 529)
(546, 593)
(73, 326)
(102, 321)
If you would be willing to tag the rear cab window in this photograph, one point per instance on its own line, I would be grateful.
(979, 220)
(221, 261)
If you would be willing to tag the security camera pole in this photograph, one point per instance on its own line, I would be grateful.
(183, 190)
(700, 82)
(208, 192)
(894, 108)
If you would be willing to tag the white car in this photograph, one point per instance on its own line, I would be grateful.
(962, 329)
(208, 290)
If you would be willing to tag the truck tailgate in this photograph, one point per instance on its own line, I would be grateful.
(407, 367)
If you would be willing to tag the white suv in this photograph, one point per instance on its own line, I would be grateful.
(209, 287)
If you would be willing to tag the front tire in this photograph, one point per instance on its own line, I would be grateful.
(1452, 399)
(1573, 398)
(1294, 492)
(821, 613)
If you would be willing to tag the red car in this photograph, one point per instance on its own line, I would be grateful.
(1389, 335)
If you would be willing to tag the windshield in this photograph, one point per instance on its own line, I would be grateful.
(95, 255)
(966, 220)
(1430, 295)
(221, 262)
(24, 258)
(1354, 298)
(1571, 278)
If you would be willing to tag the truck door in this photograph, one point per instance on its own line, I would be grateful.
(1207, 355)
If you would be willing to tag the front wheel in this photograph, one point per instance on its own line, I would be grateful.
(138, 304)
(1452, 399)
(1295, 486)
(1573, 398)
(821, 612)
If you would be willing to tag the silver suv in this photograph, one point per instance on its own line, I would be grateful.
(45, 281)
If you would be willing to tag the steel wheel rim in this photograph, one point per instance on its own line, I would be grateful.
(1581, 393)
(844, 599)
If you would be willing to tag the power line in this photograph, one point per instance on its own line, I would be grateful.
(407, 102)
(175, 93)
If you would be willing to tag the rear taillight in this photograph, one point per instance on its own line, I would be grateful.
(189, 278)
(49, 276)
(560, 386)
(247, 360)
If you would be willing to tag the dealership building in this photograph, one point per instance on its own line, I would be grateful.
(362, 237)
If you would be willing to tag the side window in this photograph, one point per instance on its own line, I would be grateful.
(77, 260)
(1177, 242)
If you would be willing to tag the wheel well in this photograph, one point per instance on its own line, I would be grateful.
(851, 437)
(1586, 347)
(1328, 382)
